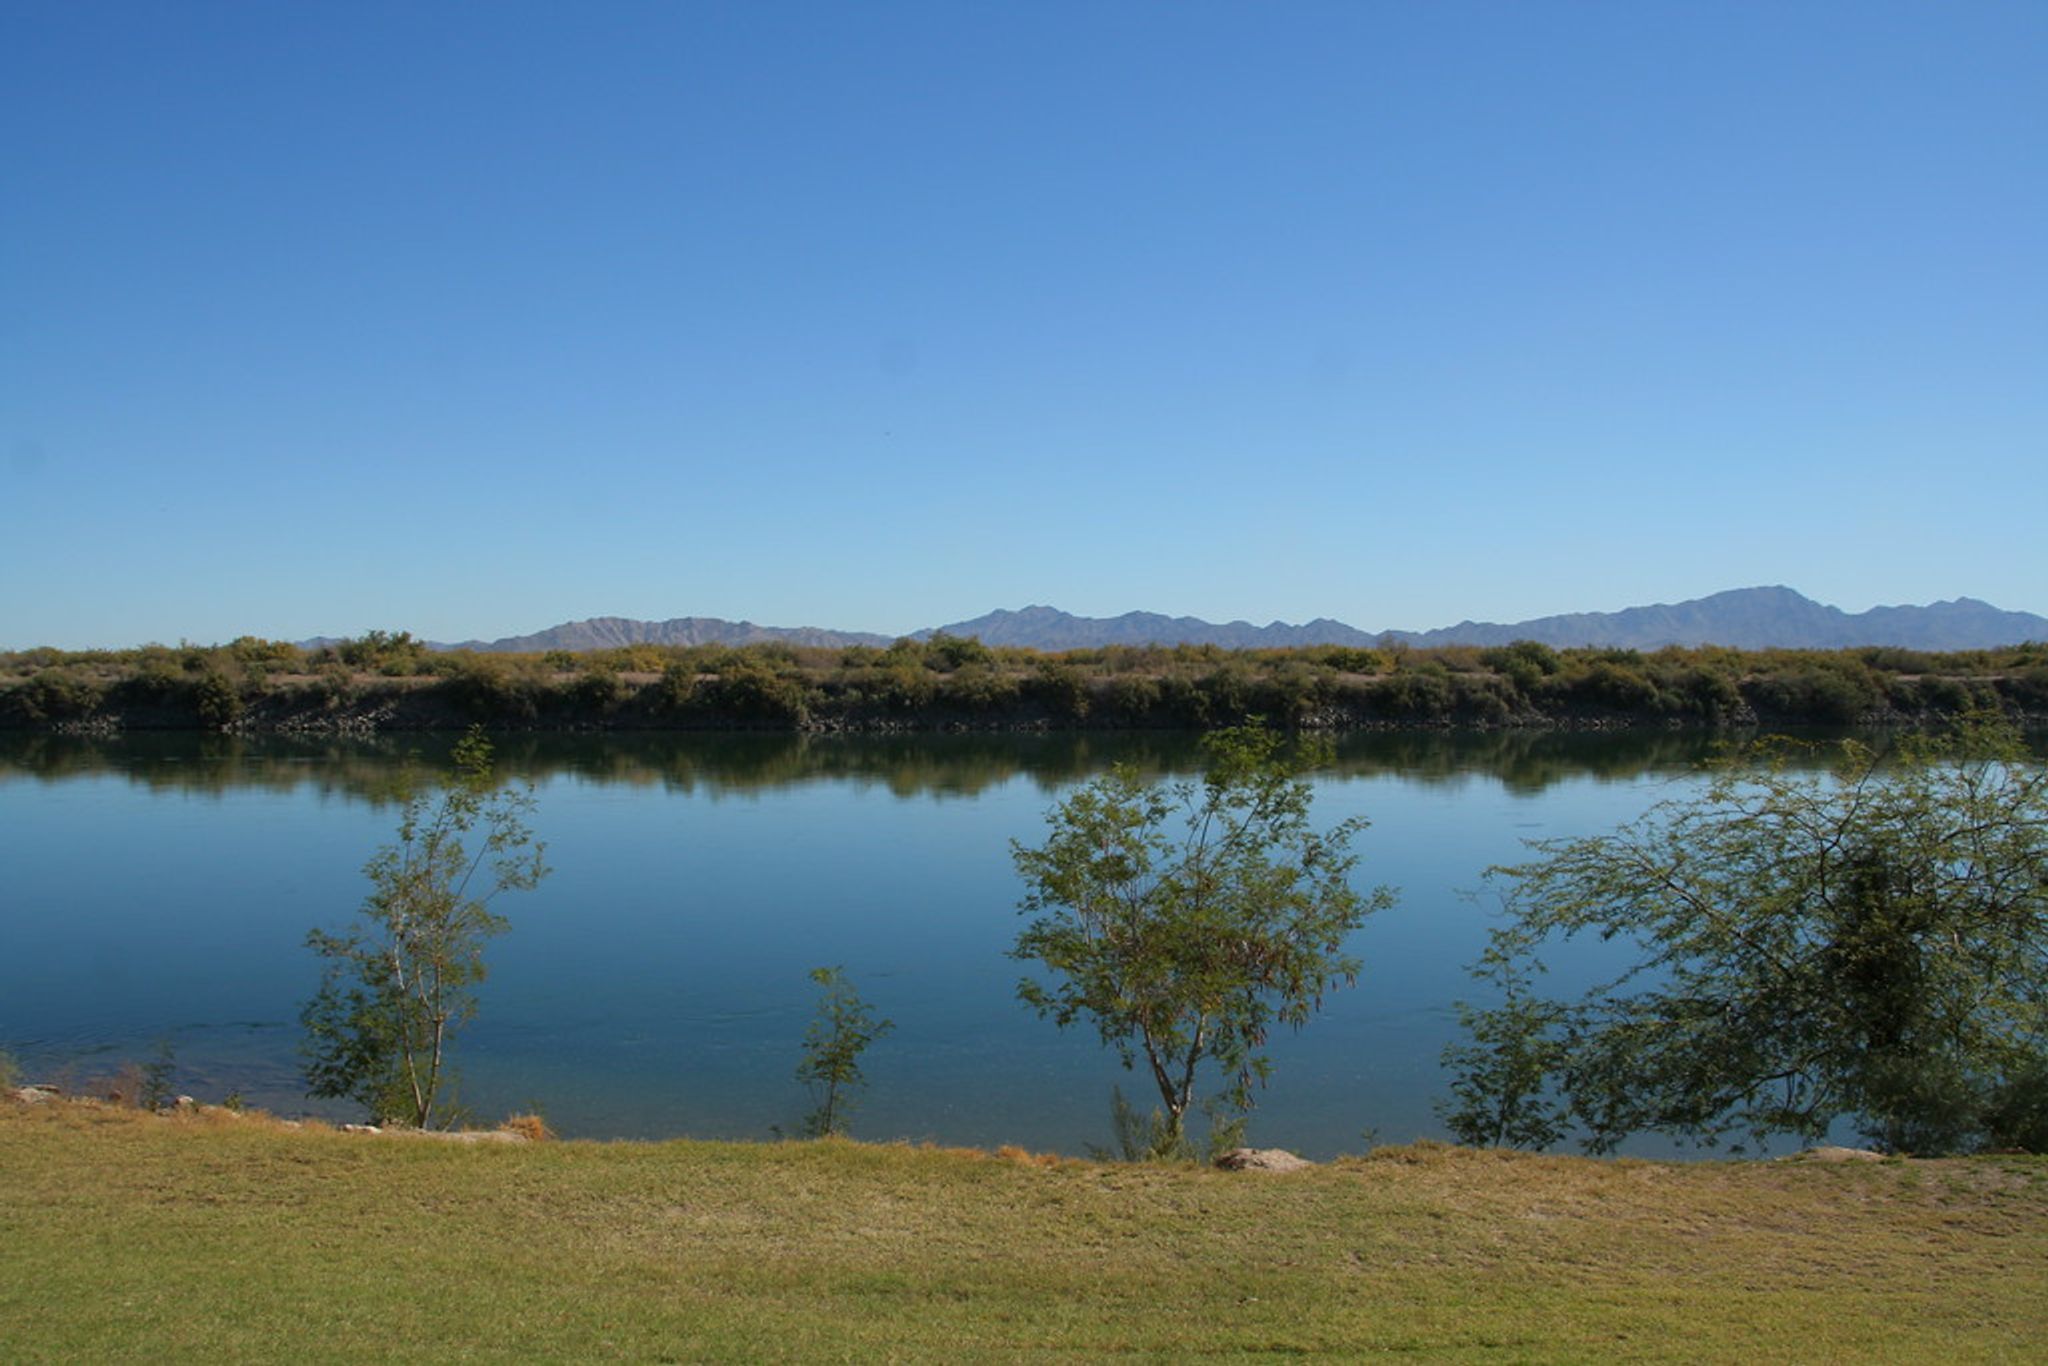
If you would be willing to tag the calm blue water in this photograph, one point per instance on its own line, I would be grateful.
(161, 887)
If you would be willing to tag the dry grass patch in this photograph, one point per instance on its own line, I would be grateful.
(238, 1238)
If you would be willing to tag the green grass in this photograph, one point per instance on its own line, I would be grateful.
(209, 1236)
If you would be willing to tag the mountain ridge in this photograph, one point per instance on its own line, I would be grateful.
(1766, 617)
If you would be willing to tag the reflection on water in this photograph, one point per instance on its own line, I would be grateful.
(913, 765)
(160, 887)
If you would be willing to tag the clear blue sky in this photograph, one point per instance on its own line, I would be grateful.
(469, 319)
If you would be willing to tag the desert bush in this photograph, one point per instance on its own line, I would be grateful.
(597, 690)
(54, 695)
(1607, 685)
(1414, 696)
(676, 690)
(1830, 691)
(977, 687)
(2028, 689)
(259, 656)
(1703, 692)
(1350, 660)
(1289, 692)
(216, 699)
(903, 687)
(383, 652)
(489, 688)
(751, 691)
(1060, 688)
(1229, 694)
(1483, 700)
(1133, 699)
(947, 653)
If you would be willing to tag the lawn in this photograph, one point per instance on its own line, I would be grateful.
(214, 1236)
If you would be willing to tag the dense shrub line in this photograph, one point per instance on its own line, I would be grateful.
(948, 682)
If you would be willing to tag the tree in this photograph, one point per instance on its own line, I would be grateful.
(1868, 942)
(840, 1033)
(1186, 919)
(402, 982)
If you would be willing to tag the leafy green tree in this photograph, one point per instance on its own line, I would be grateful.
(1186, 919)
(1867, 943)
(402, 982)
(840, 1033)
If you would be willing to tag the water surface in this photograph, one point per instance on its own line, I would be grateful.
(161, 886)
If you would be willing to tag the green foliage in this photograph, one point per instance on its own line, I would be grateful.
(1413, 695)
(259, 656)
(1346, 659)
(55, 695)
(841, 1031)
(1060, 688)
(597, 691)
(156, 1091)
(399, 985)
(1141, 1135)
(751, 690)
(979, 688)
(1501, 1095)
(1833, 689)
(10, 1071)
(948, 681)
(1133, 698)
(676, 689)
(1868, 943)
(1526, 662)
(382, 652)
(1185, 920)
(947, 653)
(216, 700)
(491, 689)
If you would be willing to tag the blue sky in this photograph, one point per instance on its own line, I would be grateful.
(470, 319)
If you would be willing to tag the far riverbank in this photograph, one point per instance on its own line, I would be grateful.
(386, 683)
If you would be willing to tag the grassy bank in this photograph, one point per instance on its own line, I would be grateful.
(214, 1236)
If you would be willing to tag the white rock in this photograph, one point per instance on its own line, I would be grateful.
(1262, 1160)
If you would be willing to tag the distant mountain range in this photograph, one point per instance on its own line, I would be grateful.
(1746, 618)
(605, 633)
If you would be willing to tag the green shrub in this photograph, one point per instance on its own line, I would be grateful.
(1706, 693)
(977, 687)
(676, 690)
(216, 700)
(1348, 660)
(1414, 696)
(2028, 690)
(55, 695)
(1133, 699)
(597, 690)
(903, 687)
(947, 653)
(1816, 692)
(1060, 688)
(1483, 700)
(1610, 685)
(489, 689)
(751, 692)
